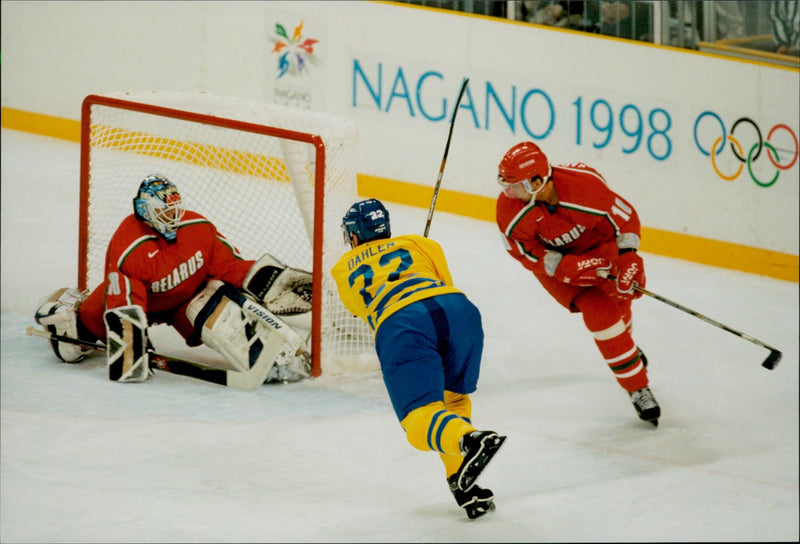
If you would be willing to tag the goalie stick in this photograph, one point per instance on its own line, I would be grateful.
(247, 381)
(769, 363)
(444, 158)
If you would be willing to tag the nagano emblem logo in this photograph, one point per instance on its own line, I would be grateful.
(296, 53)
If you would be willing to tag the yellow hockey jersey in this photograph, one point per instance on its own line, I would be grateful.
(379, 277)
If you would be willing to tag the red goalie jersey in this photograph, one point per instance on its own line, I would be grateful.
(589, 219)
(145, 269)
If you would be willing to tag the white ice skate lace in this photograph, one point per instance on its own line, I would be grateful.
(644, 399)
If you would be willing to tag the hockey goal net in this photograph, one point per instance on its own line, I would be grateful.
(272, 179)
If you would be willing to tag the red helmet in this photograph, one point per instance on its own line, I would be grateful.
(522, 162)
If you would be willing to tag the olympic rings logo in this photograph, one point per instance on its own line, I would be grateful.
(747, 159)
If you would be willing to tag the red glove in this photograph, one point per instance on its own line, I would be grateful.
(630, 271)
(581, 270)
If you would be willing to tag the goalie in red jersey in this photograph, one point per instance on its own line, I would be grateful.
(165, 264)
(564, 224)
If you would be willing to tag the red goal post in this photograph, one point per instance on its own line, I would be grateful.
(272, 179)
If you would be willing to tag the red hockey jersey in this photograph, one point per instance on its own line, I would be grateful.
(142, 268)
(588, 219)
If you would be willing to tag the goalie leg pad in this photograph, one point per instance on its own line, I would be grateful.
(126, 348)
(281, 289)
(292, 361)
(58, 314)
(224, 328)
(247, 335)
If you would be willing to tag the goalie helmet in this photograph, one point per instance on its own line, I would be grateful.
(368, 220)
(158, 203)
(524, 163)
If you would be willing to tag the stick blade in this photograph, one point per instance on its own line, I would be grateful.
(772, 359)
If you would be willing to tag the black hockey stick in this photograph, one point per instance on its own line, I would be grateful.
(444, 158)
(769, 363)
(160, 361)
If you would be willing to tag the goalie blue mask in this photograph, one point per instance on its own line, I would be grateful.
(368, 220)
(158, 203)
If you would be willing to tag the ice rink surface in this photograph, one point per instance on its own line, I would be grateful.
(178, 460)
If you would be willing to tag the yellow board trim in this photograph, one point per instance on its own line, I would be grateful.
(44, 125)
(774, 264)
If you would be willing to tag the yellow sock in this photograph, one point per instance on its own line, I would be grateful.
(434, 428)
(461, 405)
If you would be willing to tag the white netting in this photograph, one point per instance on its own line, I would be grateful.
(257, 189)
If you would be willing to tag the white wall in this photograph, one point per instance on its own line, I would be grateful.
(396, 71)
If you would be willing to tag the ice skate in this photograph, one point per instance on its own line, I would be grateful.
(646, 406)
(476, 502)
(478, 448)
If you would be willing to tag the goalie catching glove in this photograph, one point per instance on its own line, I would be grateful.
(283, 290)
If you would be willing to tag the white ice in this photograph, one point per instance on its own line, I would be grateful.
(178, 460)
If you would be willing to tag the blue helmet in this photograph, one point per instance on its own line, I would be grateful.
(158, 204)
(368, 220)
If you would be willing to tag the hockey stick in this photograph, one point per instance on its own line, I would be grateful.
(168, 363)
(444, 158)
(769, 363)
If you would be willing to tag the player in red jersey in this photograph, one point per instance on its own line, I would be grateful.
(564, 224)
(165, 264)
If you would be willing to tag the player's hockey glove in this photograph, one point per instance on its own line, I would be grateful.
(580, 270)
(630, 271)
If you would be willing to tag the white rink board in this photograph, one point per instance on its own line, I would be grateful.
(396, 70)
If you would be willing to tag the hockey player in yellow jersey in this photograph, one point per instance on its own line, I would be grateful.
(429, 341)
